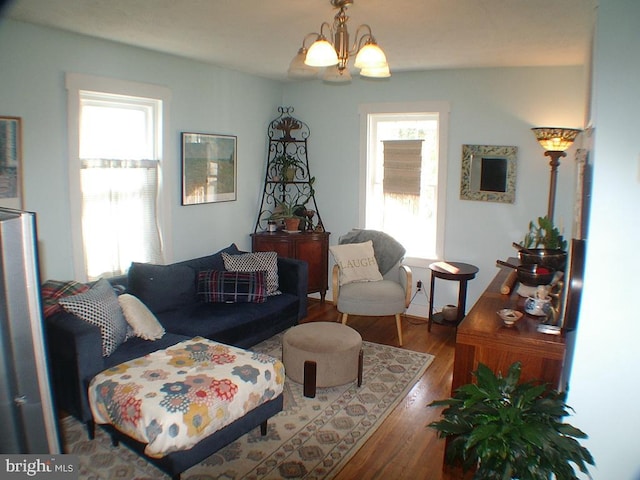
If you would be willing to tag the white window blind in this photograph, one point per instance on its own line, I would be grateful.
(402, 167)
(119, 181)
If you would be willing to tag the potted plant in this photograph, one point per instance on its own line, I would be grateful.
(509, 430)
(287, 212)
(544, 235)
(287, 166)
(544, 245)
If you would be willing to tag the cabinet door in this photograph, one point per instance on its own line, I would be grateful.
(273, 244)
(313, 250)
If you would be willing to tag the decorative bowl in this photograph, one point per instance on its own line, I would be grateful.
(554, 259)
(509, 316)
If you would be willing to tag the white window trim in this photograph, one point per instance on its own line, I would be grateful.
(443, 108)
(76, 82)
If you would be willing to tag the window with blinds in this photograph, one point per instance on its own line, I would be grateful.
(403, 175)
(119, 173)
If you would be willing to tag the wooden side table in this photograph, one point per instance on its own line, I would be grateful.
(456, 271)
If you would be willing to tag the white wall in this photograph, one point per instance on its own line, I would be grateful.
(205, 98)
(604, 380)
(488, 107)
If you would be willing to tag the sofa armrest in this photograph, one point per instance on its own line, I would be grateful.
(75, 355)
(293, 278)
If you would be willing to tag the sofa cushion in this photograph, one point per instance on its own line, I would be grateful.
(143, 322)
(239, 324)
(210, 262)
(162, 287)
(232, 287)
(99, 306)
(254, 262)
(53, 290)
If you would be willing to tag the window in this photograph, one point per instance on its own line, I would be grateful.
(404, 174)
(116, 146)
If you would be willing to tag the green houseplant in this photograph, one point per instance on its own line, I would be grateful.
(288, 212)
(510, 430)
(544, 235)
(287, 166)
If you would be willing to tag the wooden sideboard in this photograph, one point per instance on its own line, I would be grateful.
(312, 247)
(482, 338)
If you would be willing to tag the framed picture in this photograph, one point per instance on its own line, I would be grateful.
(11, 162)
(488, 173)
(209, 168)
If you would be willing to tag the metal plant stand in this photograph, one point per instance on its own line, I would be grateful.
(288, 184)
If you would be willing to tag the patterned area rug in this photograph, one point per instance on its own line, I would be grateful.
(312, 438)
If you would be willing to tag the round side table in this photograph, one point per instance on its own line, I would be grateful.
(456, 271)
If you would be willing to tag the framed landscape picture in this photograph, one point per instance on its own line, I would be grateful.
(11, 162)
(209, 168)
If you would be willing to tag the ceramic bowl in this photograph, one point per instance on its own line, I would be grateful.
(509, 316)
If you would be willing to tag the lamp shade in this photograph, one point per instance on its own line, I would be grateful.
(297, 67)
(370, 56)
(376, 72)
(555, 139)
(333, 75)
(321, 54)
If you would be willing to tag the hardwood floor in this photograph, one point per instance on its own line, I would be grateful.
(404, 447)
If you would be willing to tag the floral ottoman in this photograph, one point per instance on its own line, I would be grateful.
(171, 400)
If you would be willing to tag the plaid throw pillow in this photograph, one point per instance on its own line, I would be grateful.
(53, 290)
(215, 286)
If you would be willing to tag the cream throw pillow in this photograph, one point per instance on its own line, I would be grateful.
(357, 262)
(139, 317)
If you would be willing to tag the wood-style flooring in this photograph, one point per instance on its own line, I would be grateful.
(404, 447)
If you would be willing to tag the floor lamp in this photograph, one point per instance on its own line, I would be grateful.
(555, 141)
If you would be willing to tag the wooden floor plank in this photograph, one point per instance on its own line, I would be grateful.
(403, 446)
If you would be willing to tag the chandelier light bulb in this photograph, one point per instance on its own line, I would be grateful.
(297, 67)
(370, 56)
(321, 54)
(335, 75)
(376, 72)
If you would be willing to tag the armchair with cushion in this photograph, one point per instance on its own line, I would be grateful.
(368, 278)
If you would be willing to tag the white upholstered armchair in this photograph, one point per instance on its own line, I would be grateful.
(368, 278)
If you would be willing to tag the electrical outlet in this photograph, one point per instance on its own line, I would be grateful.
(419, 285)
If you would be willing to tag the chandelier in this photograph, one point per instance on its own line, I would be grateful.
(369, 57)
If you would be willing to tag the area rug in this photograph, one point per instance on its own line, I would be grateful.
(312, 438)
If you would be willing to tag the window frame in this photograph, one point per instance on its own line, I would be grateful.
(442, 108)
(75, 83)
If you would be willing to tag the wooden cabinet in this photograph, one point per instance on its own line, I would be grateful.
(312, 247)
(483, 338)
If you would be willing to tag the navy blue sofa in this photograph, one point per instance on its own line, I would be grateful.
(75, 346)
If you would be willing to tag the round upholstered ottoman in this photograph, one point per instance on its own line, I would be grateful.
(322, 354)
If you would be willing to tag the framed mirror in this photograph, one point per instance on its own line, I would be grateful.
(488, 173)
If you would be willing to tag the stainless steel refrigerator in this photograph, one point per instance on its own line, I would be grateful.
(27, 413)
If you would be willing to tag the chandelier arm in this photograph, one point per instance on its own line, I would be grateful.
(359, 40)
(322, 34)
(312, 35)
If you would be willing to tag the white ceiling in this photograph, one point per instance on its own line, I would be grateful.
(262, 36)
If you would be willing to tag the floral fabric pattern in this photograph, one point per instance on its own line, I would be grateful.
(172, 398)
